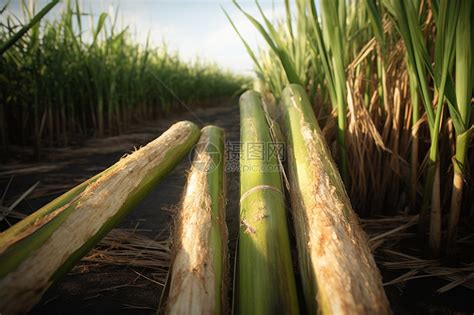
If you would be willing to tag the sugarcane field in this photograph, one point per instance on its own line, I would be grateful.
(236, 157)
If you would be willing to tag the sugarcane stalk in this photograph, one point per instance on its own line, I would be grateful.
(38, 252)
(435, 214)
(432, 185)
(338, 272)
(200, 264)
(266, 282)
(459, 166)
(464, 85)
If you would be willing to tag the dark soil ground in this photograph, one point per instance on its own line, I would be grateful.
(125, 290)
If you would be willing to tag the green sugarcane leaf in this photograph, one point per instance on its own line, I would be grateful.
(99, 27)
(33, 22)
(376, 22)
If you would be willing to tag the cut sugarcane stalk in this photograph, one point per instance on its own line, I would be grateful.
(36, 252)
(266, 282)
(338, 272)
(200, 265)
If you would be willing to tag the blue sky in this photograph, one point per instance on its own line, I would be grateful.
(194, 28)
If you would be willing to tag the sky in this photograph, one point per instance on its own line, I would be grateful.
(196, 29)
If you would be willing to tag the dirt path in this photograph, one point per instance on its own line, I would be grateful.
(118, 290)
